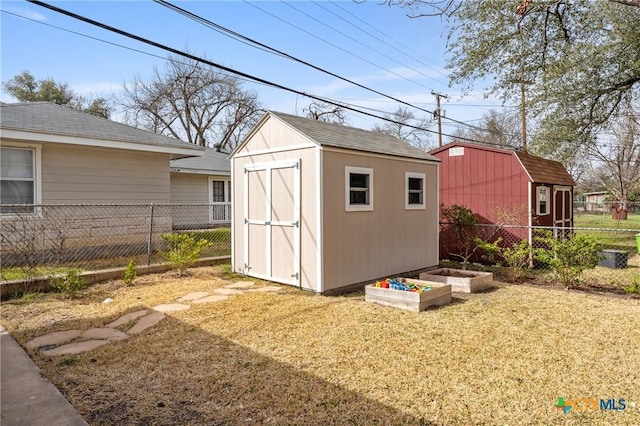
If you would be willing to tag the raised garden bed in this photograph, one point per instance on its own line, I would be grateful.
(438, 294)
(461, 280)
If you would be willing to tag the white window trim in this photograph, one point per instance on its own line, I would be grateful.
(548, 196)
(407, 175)
(347, 189)
(37, 178)
(227, 188)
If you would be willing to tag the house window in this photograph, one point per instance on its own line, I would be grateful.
(220, 191)
(414, 191)
(217, 194)
(18, 183)
(543, 200)
(358, 189)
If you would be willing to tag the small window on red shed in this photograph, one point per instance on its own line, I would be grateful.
(542, 200)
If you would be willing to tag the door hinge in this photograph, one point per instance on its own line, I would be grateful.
(295, 275)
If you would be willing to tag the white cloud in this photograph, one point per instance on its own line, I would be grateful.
(26, 13)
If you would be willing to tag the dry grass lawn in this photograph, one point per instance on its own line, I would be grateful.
(500, 357)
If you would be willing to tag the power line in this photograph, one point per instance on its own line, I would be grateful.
(233, 71)
(265, 47)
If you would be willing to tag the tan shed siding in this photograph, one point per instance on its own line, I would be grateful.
(308, 213)
(360, 246)
(85, 175)
(273, 135)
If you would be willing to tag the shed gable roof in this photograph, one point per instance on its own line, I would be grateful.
(540, 170)
(47, 118)
(340, 136)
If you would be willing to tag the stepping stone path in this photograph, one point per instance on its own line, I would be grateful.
(78, 341)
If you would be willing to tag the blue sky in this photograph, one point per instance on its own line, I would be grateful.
(376, 45)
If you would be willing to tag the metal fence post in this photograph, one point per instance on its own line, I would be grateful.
(150, 236)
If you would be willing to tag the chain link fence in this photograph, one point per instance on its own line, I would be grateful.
(617, 269)
(39, 240)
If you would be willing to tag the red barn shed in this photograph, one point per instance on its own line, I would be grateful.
(494, 182)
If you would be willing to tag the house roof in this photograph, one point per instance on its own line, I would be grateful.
(340, 136)
(211, 163)
(540, 170)
(49, 122)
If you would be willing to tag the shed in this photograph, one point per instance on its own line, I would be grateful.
(327, 207)
(497, 182)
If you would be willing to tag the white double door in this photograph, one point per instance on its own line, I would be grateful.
(272, 221)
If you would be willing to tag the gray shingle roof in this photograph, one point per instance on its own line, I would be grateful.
(50, 118)
(212, 161)
(339, 136)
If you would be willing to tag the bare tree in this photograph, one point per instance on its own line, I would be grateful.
(325, 112)
(495, 128)
(404, 125)
(616, 163)
(192, 102)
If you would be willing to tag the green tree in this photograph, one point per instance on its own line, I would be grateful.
(578, 60)
(26, 88)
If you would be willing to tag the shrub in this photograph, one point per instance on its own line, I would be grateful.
(70, 283)
(463, 235)
(633, 288)
(184, 249)
(515, 259)
(130, 272)
(568, 257)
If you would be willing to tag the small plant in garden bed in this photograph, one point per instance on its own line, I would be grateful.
(130, 272)
(634, 287)
(184, 249)
(70, 283)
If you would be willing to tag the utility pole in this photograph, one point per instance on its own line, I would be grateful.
(438, 113)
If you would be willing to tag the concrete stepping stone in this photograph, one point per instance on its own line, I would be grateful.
(171, 307)
(104, 334)
(210, 299)
(241, 285)
(76, 348)
(269, 288)
(227, 291)
(146, 322)
(126, 318)
(193, 296)
(55, 338)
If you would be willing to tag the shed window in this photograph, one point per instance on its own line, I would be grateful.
(543, 200)
(414, 191)
(17, 179)
(358, 189)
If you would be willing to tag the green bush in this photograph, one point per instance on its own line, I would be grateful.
(568, 257)
(184, 249)
(515, 259)
(130, 272)
(69, 283)
(633, 288)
